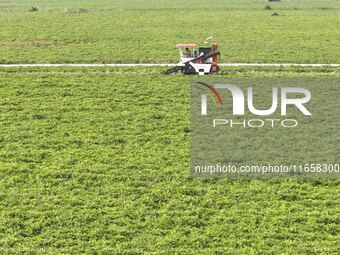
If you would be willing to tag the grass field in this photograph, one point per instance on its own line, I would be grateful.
(96, 160)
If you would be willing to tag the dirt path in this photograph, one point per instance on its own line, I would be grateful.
(164, 64)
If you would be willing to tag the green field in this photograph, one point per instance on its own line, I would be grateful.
(96, 160)
(147, 31)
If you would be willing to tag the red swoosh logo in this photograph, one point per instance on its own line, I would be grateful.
(213, 90)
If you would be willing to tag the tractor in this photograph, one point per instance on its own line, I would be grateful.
(203, 61)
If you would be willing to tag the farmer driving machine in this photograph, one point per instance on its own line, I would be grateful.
(203, 61)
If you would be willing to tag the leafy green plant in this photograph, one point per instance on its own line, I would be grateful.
(33, 9)
(268, 7)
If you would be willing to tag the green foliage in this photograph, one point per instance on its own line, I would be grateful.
(267, 7)
(80, 10)
(147, 31)
(96, 161)
(33, 9)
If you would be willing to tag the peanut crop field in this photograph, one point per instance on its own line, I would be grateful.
(95, 160)
(146, 31)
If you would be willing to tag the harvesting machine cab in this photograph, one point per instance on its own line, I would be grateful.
(203, 61)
